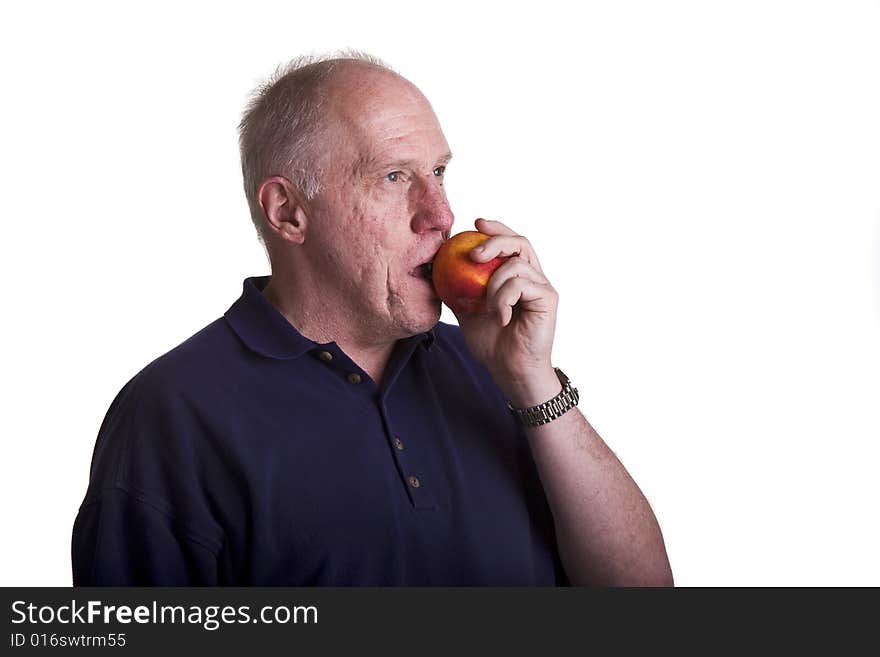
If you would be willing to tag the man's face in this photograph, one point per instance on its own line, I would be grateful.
(382, 212)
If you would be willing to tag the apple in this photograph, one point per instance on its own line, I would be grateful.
(460, 282)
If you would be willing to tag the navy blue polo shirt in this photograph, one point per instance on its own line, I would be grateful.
(251, 455)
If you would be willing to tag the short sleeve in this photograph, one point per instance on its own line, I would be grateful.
(146, 518)
(120, 540)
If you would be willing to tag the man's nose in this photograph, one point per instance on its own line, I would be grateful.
(431, 210)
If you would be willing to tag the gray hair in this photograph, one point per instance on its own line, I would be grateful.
(280, 126)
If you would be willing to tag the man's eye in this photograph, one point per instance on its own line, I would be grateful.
(393, 176)
(439, 171)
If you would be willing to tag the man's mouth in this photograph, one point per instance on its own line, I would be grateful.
(424, 271)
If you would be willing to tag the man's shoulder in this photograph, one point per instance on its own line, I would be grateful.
(162, 407)
(194, 355)
(154, 439)
(195, 362)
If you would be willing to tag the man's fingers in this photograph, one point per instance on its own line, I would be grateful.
(492, 227)
(512, 268)
(533, 296)
(506, 245)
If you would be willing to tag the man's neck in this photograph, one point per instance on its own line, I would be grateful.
(313, 322)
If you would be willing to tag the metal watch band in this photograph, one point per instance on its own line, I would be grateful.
(535, 416)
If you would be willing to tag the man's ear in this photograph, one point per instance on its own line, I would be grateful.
(283, 209)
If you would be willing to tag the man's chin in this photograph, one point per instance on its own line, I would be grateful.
(426, 319)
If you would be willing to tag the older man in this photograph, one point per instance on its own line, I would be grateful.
(328, 430)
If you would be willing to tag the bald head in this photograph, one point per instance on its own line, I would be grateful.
(348, 258)
(353, 84)
(284, 125)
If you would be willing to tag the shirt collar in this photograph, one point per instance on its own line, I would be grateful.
(266, 331)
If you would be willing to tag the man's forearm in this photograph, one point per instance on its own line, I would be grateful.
(606, 530)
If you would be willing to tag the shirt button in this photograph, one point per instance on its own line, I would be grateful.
(354, 377)
(414, 481)
(398, 443)
(326, 356)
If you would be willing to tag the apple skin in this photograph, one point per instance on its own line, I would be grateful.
(459, 281)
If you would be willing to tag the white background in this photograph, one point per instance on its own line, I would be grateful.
(700, 180)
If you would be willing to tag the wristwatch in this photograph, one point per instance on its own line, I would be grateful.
(535, 416)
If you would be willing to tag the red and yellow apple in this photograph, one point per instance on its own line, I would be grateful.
(460, 281)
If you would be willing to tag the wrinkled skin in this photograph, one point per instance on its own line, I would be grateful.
(345, 272)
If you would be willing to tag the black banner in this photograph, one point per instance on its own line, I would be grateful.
(334, 621)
